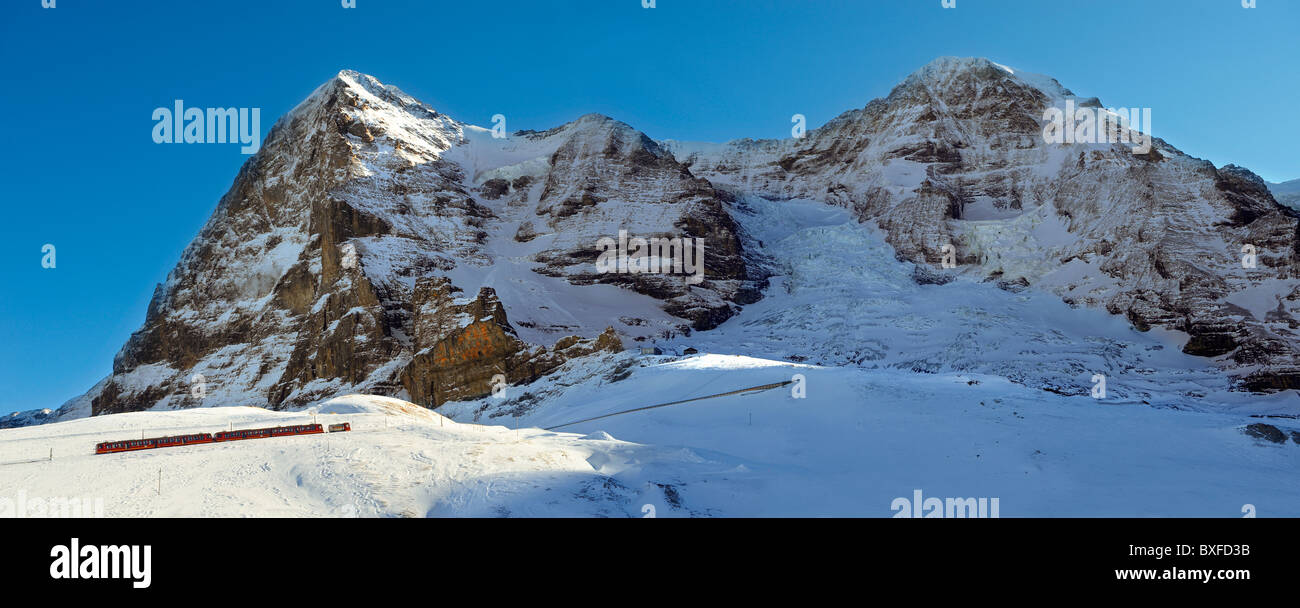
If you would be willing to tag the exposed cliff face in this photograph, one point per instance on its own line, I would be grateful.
(341, 258)
(462, 347)
(596, 176)
(956, 155)
(325, 270)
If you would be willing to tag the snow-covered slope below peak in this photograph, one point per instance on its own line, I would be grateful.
(861, 438)
(840, 297)
(857, 441)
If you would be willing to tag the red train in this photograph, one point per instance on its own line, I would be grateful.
(149, 444)
(109, 447)
(279, 431)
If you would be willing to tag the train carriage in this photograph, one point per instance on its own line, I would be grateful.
(109, 447)
(278, 431)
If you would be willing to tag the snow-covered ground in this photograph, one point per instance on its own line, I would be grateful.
(857, 441)
(399, 460)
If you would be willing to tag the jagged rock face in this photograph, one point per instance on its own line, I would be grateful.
(956, 155)
(249, 256)
(596, 176)
(329, 265)
(466, 345)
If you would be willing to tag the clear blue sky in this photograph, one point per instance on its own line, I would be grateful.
(81, 80)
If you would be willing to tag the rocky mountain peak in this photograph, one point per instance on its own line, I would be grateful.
(954, 159)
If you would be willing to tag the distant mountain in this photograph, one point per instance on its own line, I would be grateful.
(1287, 193)
(376, 245)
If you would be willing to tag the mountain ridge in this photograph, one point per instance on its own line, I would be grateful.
(311, 275)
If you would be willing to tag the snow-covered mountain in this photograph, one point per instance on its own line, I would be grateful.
(375, 245)
(956, 155)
